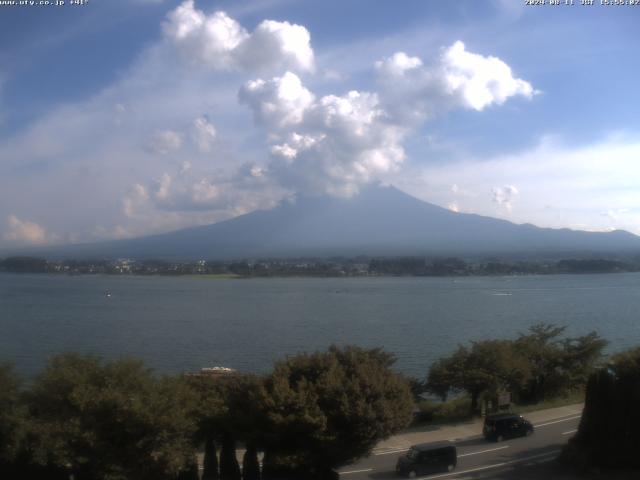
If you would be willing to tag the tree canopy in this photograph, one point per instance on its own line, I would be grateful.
(609, 431)
(534, 366)
(326, 409)
(113, 420)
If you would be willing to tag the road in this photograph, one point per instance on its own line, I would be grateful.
(478, 458)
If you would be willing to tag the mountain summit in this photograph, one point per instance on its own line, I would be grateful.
(378, 221)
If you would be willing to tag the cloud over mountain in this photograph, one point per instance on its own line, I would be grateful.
(458, 79)
(220, 42)
(213, 119)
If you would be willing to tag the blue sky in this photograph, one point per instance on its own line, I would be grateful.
(122, 118)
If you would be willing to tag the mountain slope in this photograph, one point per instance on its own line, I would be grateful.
(379, 221)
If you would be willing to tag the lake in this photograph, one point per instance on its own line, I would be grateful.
(178, 324)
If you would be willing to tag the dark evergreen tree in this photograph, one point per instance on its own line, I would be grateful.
(229, 467)
(250, 464)
(210, 470)
(609, 431)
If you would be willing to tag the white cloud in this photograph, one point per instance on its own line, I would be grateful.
(458, 79)
(398, 64)
(277, 45)
(203, 134)
(221, 43)
(480, 81)
(504, 196)
(165, 142)
(209, 164)
(25, 232)
(279, 102)
(336, 143)
(331, 145)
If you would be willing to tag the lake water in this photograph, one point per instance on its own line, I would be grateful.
(178, 324)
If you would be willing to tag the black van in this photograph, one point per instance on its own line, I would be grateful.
(428, 458)
(506, 425)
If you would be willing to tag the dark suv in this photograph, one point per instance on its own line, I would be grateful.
(506, 425)
(427, 458)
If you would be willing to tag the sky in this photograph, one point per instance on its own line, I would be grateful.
(122, 118)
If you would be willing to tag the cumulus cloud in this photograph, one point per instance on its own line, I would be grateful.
(330, 145)
(201, 162)
(458, 79)
(221, 43)
(203, 134)
(25, 232)
(336, 143)
(398, 64)
(277, 103)
(480, 81)
(504, 196)
(165, 142)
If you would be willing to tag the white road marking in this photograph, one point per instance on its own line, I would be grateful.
(356, 471)
(483, 451)
(557, 421)
(392, 451)
(569, 432)
(495, 465)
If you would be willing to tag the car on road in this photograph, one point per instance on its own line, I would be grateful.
(506, 425)
(427, 458)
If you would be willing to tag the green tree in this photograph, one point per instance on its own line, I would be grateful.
(537, 365)
(609, 431)
(542, 348)
(112, 421)
(557, 364)
(326, 409)
(210, 462)
(484, 369)
(226, 412)
(250, 464)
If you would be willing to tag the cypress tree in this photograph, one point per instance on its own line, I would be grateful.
(229, 468)
(210, 460)
(250, 464)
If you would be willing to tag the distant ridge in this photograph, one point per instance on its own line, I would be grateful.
(380, 221)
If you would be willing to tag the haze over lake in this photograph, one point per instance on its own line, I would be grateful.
(178, 324)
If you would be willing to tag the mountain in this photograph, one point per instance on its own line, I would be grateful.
(378, 221)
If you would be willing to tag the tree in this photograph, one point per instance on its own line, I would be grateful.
(113, 420)
(325, 409)
(537, 365)
(486, 368)
(250, 464)
(13, 424)
(543, 350)
(229, 468)
(226, 412)
(581, 356)
(446, 374)
(210, 462)
(557, 365)
(609, 431)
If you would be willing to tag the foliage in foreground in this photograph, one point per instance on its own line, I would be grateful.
(534, 367)
(609, 431)
(117, 421)
(326, 409)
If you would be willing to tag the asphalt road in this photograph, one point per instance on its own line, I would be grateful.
(477, 457)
